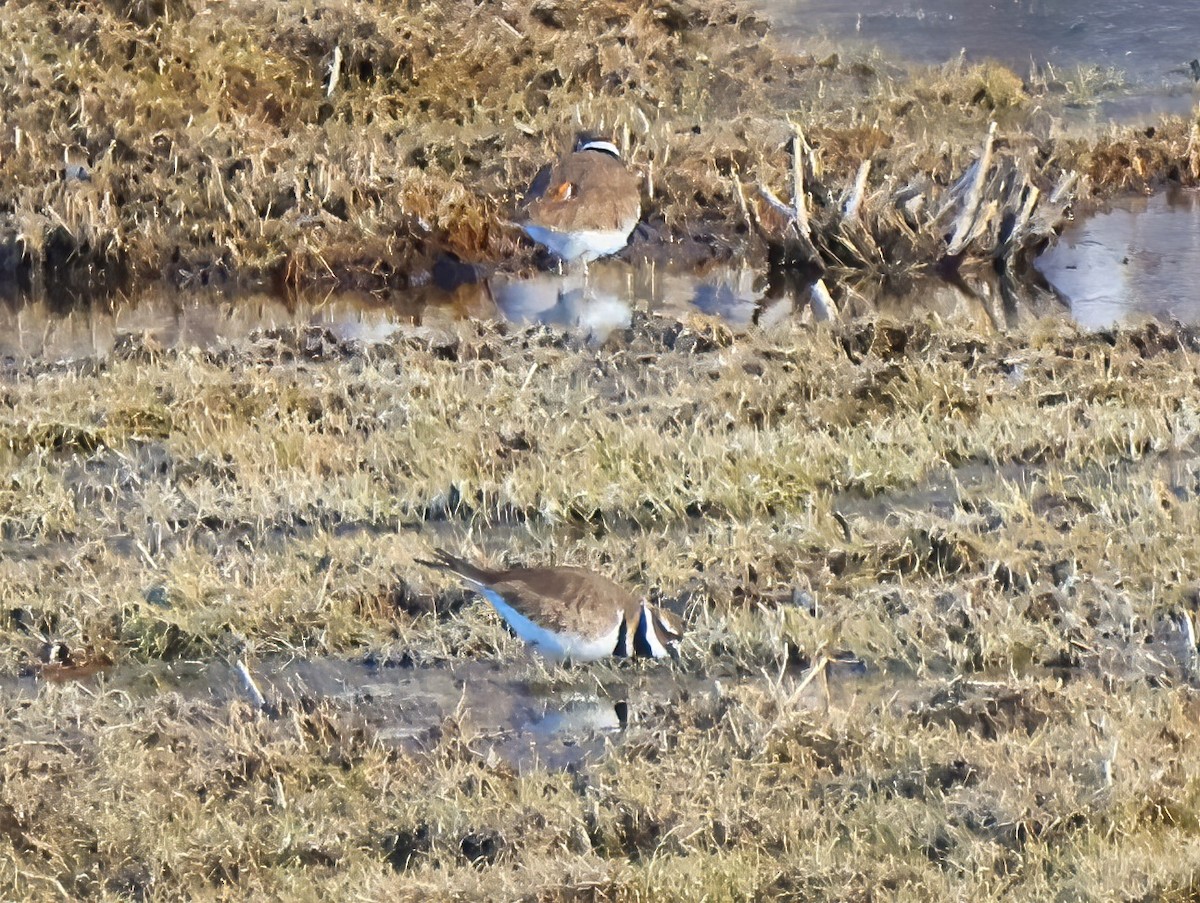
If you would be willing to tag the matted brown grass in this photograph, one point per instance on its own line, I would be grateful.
(201, 140)
(1000, 526)
(1015, 559)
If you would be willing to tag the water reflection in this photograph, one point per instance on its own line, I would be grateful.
(594, 304)
(169, 318)
(495, 710)
(1140, 258)
(1121, 264)
(587, 303)
(603, 300)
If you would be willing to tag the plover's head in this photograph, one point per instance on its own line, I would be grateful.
(657, 633)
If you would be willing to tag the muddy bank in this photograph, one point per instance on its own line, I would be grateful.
(999, 526)
(202, 145)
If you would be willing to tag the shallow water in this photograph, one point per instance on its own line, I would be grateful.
(593, 306)
(525, 716)
(1139, 258)
(1123, 264)
(39, 328)
(533, 715)
(1150, 42)
(1134, 260)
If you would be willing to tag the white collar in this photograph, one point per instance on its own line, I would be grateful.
(604, 147)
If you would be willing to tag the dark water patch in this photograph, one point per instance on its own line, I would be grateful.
(68, 272)
(1131, 60)
(501, 711)
(1139, 258)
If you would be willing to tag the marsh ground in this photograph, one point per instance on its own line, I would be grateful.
(1001, 527)
(211, 142)
(996, 528)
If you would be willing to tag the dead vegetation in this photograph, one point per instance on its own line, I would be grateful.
(999, 526)
(206, 141)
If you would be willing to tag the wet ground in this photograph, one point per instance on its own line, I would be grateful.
(1140, 257)
(1149, 45)
(937, 580)
(911, 600)
(528, 717)
(532, 714)
(539, 717)
(1122, 264)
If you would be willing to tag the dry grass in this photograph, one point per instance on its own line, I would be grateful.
(196, 139)
(1020, 514)
(1001, 526)
(737, 798)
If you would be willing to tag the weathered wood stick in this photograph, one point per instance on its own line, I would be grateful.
(854, 204)
(967, 216)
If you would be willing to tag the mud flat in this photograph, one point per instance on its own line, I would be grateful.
(993, 531)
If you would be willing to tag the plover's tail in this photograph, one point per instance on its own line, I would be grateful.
(444, 561)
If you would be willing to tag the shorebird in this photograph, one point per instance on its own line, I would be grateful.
(570, 613)
(585, 205)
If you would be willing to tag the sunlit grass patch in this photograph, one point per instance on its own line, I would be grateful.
(205, 144)
(937, 586)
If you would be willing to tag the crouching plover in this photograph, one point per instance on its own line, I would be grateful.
(570, 613)
(585, 205)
